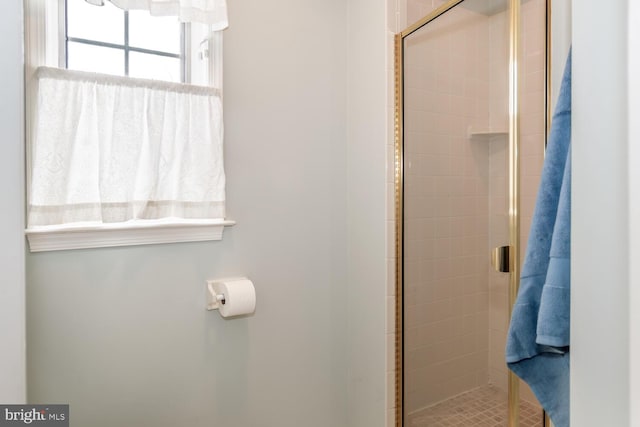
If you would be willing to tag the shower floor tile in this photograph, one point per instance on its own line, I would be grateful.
(481, 407)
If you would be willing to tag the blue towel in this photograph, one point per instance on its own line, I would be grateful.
(538, 339)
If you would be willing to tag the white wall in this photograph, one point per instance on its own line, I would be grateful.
(634, 210)
(560, 43)
(367, 139)
(12, 322)
(122, 333)
(600, 309)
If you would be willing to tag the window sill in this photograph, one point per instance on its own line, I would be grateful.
(84, 236)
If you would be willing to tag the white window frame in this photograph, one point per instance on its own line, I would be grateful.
(45, 43)
(126, 47)
(44, 46)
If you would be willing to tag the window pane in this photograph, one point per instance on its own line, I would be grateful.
(154, 32)
(155, 67)
(97, 59)
(102, 23)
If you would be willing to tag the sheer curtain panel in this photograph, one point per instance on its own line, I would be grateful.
(109, 149)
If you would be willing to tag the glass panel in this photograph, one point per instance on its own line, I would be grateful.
(154, 67)
(456, 306)
(154, 32)
(101, 23)
(97, 59)
(532, 124)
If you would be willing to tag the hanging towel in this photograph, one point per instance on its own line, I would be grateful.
(538, 340)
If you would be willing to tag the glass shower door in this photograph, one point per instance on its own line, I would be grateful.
(456, 209)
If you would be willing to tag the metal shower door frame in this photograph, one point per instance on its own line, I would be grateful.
(514, 183)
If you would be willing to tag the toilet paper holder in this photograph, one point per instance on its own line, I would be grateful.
(231, 297)
(214, 299)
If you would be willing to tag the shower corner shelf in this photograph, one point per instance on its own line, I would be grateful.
(486, 133)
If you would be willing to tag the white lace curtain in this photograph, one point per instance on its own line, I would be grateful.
(210, 12)
(111, 149)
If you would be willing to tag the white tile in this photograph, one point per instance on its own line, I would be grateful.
(391, 202)
(391, 417)
(391, 319)
(391, 390)
(391, 276)
(391, 352)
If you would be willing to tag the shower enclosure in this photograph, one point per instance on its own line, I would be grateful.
(471, 120)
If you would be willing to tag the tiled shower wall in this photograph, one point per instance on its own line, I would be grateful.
(456, 194)
(446, 208)
(499, 191)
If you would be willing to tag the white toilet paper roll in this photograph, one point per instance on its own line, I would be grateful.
(239, 297)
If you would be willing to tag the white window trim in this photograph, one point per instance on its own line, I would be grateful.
(124, 234)
(42, 24)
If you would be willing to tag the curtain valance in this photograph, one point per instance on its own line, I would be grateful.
(209, 12)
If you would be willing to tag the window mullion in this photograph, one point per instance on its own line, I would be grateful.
(63, 40)
(126, 43)
(66, 34)
(185, 58)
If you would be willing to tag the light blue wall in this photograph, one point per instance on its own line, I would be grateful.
(12, 323)
(367, 138)
(122, 334)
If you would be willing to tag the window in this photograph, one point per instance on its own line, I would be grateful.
(134, 157)
(130, 43)
(107, 39)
